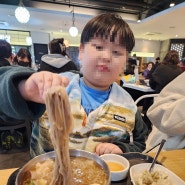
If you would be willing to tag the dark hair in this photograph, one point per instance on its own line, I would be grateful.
(157, 58)
(109, 25)
(57, 46)
(172, 57)
(23, 53)
(5, 49)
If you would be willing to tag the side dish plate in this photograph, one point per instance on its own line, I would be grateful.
(138, 169)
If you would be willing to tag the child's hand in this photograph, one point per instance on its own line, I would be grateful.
(35, 87)
(107, 148)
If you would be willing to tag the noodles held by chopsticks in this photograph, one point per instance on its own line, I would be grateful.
(58, 110)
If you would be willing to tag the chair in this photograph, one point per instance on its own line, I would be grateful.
(143, 113)
(16, 124)
(145, 96)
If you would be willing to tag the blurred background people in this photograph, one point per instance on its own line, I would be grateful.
(157, 61)
(58, 60)
(149, 70)
(23, 58)
(5, 53)
(181, 64)
(166, 71)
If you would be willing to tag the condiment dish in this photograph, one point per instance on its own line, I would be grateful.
(118, 166)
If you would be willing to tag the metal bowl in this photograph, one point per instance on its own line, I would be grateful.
(23, 172)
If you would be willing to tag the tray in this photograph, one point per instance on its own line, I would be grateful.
(133, 157)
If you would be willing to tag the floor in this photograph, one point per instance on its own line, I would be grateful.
(15, 157)
(14, 160)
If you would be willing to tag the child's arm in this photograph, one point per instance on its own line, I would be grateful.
(21, 91)
(124, 145)
(35, 87)
(140, 133)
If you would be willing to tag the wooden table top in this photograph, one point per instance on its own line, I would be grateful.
(173, 160)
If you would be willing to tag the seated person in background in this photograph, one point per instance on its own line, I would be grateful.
(132, 62)
(149, 70)
(168, 117)
(165, 72)
(106, 119)
(5, 53)
(57, 61)
(23, 58)
(181, 64)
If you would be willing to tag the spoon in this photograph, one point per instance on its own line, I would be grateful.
(157, 154)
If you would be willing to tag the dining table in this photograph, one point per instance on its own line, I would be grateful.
(174, 160)
(138, 87)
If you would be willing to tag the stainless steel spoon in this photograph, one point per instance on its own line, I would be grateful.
(157, 154)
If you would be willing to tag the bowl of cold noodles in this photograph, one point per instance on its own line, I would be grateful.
(87, 168)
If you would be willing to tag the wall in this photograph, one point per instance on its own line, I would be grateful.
(164, 48)
(147, 46)
(39, 38)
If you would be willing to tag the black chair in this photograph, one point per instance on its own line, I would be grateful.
(13, 125)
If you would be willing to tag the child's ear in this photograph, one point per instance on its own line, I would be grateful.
(81, 48)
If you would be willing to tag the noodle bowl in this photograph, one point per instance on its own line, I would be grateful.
(24, 172)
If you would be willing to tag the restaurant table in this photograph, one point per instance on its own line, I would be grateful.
(174, 160)
(143, 88)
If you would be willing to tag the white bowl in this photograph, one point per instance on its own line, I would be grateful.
(119, 174)
(138, 169)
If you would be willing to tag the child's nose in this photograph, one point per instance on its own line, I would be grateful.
(106, 54)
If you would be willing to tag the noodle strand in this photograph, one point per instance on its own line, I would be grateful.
(58, 110)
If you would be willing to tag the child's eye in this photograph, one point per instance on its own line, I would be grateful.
(118, 53)
(99, 48)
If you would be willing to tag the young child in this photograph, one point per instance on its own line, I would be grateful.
(106, 119)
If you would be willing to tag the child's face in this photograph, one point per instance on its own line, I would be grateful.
(102, 62)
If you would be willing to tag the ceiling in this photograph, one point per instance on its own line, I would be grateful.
(159, 22)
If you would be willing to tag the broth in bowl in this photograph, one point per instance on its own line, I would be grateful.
(87, 168)
(115, 166)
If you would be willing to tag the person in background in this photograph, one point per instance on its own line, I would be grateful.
(105, 117)
(149, 70)
(167, 116)
(5, 53)
(165, 72)
(23, 58)
(181, 64)
(58, 60)
(157, 61)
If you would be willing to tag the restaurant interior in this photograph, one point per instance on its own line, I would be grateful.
(157, 27)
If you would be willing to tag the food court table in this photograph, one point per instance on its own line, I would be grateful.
(143, 88)
(173, 160)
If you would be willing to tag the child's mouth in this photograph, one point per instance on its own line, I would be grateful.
(103, 68)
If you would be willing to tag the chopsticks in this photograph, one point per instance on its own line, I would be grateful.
(145, 152)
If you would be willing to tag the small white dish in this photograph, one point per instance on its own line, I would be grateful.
(138, 169)
(119, 162)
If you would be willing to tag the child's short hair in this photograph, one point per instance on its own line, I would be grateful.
(109, 25)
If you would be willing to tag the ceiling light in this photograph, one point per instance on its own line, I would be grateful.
(21, 13)
(172, 4)
(73, 31)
